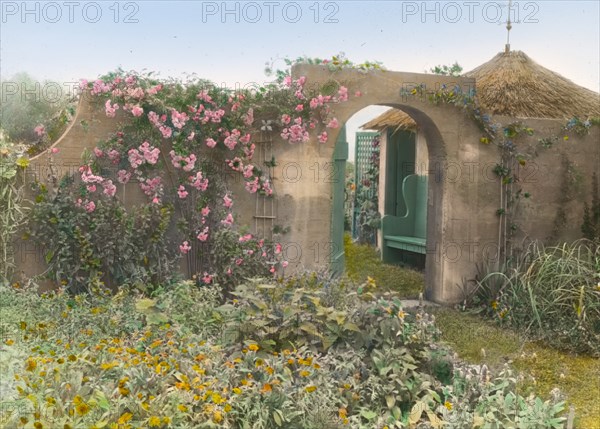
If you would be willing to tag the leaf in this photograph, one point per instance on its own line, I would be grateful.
(390, 401)
(310, 328)
(352, 327)
(416, 412)
(278, 417)
(156, 318)
(101, 424)
(101, 401)
(369, 415)
(434, 420)
(142, 305)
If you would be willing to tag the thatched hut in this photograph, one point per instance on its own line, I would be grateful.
(512, 84)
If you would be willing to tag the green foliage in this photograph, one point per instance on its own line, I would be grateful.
(479, 400)
(445, 70)
(12, 212)
(111, 246)
(335, 63)
(363, 261)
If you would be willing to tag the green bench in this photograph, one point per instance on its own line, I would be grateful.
(407, 233)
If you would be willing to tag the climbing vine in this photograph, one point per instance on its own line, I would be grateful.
(367, 198)
(180, 141)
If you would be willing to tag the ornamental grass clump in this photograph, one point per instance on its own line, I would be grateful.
(553, 294)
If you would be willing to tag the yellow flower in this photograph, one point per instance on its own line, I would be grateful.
(82, 408)
(31, 364)
(38, 425)
(9, 342)
(22, 162)
(237, 390)
(304, 373)
(182, 408)
(125, 417)
(310, 389)
(227, 408)
(484, 140)
(448, 405)
(107, 366)
(494, 304)
(217, 417)
(253, 347)
(266, 388)
(154, 422)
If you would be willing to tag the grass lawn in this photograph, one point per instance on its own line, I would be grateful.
(363, 260)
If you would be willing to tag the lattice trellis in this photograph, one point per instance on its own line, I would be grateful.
(363, 150)
(265, 210)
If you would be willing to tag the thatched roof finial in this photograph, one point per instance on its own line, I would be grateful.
(508, 28)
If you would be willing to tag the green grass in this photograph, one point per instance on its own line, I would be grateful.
(364, 260)
(576, 376)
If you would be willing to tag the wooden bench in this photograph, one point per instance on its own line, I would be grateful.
(407, 232)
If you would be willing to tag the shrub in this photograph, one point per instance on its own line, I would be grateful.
(88, 246)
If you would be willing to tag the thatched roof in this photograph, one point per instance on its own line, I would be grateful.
(392, 118)
(513, 84)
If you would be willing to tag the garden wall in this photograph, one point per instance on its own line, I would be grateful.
(463, 195)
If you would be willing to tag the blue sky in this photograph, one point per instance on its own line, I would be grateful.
(229, 42)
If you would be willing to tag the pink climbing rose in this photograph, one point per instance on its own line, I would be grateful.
(323, 137)
(228, 221)
(203, 236)
(185, 247)
(182, 192)
(40, 130)
(137, 111)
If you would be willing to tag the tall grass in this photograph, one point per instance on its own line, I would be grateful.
(553, 294)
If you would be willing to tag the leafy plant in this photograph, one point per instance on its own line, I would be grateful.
(94, 244)
(12, 212)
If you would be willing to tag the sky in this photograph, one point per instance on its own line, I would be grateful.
(229, 43)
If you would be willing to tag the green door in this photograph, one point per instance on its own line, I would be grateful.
(340, 155)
